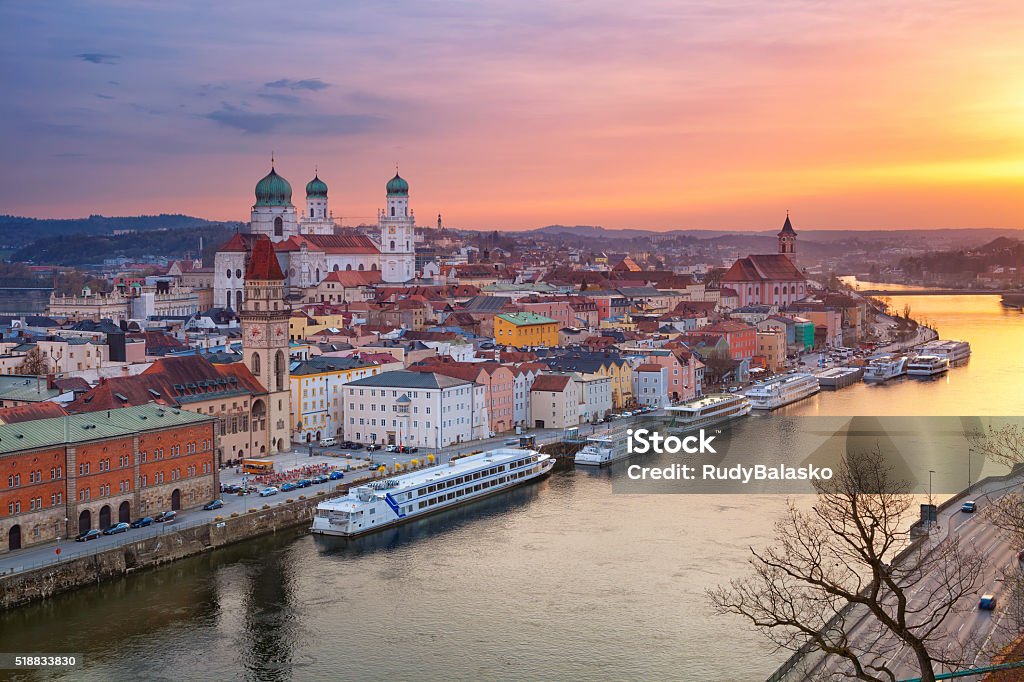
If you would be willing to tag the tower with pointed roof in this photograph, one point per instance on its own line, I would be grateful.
(264, 322)
(787, 240)
(273, 214)
(397, 233)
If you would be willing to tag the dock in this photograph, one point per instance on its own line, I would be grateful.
(839, 377)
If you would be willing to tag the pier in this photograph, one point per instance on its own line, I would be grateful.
(839, 377)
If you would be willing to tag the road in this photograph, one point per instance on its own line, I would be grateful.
(972, 634)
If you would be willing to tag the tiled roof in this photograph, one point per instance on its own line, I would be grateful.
(263, 263)
(554, 383)
(354, 278)
(763, 267)
(25, 413)
(235, 244)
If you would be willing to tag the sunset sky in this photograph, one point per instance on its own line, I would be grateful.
(516, 115)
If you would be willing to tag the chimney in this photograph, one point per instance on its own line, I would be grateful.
(50, 384)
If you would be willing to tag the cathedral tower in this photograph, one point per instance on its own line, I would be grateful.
(273, 213)
(787, 240)
(397, 234)
(264, 323)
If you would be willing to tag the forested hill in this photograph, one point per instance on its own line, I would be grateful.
(91, 249)
(17, 231)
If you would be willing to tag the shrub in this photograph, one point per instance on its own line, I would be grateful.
(234, 515)
(218, 518)
(253, 509)
(302, 497)
(266, 506)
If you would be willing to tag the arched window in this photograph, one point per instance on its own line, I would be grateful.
(406, 244)
(361, 268)
(238, 300)
(392, 210)
(392, 244)
(278, 227)
(229, 273)
(776, 289)
(228, 304)
(318, 275)
(256, 364)
(335, 268)
(279, 370)
(238, 273)
(373, 266)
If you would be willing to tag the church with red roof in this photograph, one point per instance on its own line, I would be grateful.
(769, 279)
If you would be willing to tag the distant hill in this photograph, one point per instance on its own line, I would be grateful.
(18, 231)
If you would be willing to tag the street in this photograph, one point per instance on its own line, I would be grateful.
(971, 634)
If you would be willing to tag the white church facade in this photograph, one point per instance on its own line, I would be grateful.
(309, 246)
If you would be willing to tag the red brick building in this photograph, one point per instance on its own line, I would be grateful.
(65, 475)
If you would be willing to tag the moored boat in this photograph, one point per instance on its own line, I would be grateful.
(388, 502)
(927, 366)
(782, 390)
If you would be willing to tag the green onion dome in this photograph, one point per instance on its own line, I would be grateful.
(273, 190)
(316, 187)
(398, 185)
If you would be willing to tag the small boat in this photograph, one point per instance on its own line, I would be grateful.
(927, 366)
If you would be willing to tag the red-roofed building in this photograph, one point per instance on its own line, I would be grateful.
(30, 412)
(741, 337)
(771, 279)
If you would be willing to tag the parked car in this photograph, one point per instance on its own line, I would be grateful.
(355, 446)
(88, 535)
(287, 488)
(216, 504)
(969, 507)
(412, 449)
(117, 528)
(268, 491)
(142, 523)
(372, 447)
(165, 517)
(328, 442)
(303, 483)
(392, 448)
(348, 445)
(335, 475)
(321, 478)
(230, 488)
(987, 602)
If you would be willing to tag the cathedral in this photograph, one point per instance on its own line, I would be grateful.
(309, 246)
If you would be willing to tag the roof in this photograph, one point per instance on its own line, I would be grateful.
(31, 412)
(329, 243)
(321, 364)
(763, 267)
(354, 278)
(236, 244)
(483, 304)
(29, 389)
(525, 319)
(402, 378)
(649, 367)
(554, 383)
(80, 428)
(171, 381)
(787, 228)
(263, 263)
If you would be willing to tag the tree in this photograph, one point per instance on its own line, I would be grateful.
(35, 363)
(841, 579)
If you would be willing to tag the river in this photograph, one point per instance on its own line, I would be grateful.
(560, 579)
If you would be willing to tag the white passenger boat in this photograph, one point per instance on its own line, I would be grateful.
(782, 390)
(927, 366)
(707, 411)
(388, 502)
(602, 450)
(885, 367)
(953, 351)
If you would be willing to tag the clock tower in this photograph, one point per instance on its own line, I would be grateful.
(264, 323)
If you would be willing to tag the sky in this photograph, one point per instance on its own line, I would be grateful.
(514, 115)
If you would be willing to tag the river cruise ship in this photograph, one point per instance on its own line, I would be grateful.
(885, 367)
(953, 351)
(782, 390)
(391, 501)
(602, 450)
(927, 366)
(707, 411)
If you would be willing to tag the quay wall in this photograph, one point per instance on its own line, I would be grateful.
(18, 589)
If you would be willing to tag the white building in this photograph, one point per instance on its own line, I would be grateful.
(317, 387)
(650, 385)
(415, 408)
(310, 246)
(595, 396)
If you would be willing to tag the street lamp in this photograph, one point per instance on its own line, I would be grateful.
(968, 467)
(930, 472)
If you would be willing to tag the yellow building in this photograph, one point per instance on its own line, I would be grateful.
(525, 329)
(317, 408)
(302, 325)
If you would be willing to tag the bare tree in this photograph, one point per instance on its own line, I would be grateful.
(35, 363)
(845, 579)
